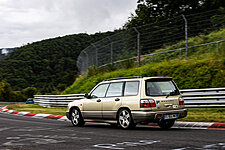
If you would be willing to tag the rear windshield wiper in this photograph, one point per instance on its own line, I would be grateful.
(171, 93)
(167, 95)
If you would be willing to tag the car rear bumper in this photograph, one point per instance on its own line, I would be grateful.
(151, 116)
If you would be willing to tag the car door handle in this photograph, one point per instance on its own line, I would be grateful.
(117, 99)
(98, 100)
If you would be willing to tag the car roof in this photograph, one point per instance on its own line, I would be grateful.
(133, 78)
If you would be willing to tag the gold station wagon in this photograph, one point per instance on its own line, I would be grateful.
(128, 101)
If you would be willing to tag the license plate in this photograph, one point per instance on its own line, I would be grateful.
(171, 116)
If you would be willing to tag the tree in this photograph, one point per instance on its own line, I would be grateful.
(6, 92)
(150, 11)
(29, 92)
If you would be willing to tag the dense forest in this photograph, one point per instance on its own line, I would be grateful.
(48, 65)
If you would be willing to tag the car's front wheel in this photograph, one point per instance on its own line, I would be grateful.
(125, 119)
(76, 117)
(166, 124)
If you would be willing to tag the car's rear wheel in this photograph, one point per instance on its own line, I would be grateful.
(166, 124)
(125, 119)
(76, 117)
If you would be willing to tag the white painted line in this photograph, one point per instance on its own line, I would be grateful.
(63, 119)
(41, 115)
(10, 111)
(204, 125)
(22, 113)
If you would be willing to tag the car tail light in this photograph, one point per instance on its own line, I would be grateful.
(159, 116)
(146, 103)
(181, 100)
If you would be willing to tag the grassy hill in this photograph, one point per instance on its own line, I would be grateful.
(203, 68)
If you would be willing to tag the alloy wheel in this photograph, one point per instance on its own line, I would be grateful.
(124, 119)
(75, 117)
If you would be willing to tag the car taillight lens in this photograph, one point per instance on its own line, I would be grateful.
(146, 103)
(181, 100)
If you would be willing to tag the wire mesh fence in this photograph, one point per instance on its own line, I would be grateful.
(142, 41)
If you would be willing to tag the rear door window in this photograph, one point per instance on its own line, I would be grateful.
(131, 88)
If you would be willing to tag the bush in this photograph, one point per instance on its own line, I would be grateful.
(29, 92)
(19, 97)
(5, 91)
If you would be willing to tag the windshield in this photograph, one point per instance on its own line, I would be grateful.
(161, 88)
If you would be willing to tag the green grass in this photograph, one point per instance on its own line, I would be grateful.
(194, 114)
(34, 108)
(205, 115)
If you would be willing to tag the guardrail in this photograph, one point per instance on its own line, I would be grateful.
(204, 98)
(194, 98)
(56, 100)
(7, 103)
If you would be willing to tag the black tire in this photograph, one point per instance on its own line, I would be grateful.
(76, 117)
(166, 124)
(125, 120)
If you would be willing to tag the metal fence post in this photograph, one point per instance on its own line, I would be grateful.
(111, 50)
(111, 47)
(180, 52)
(138, 46)
(218, 47)
(186, 34)
(96, 55)
(87, 60)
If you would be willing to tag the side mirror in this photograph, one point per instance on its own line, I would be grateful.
(87, 96)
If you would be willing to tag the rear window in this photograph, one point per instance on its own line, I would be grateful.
(161, 88)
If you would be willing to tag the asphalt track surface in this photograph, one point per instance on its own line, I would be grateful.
(20, 132)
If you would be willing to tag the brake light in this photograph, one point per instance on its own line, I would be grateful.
(146, 103)
(181, 100)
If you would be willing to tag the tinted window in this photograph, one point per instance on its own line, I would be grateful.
(115, 89)
(161, 88)
(100, 91)
(131, 88)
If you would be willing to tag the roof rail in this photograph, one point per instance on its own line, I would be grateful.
(133, 77)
